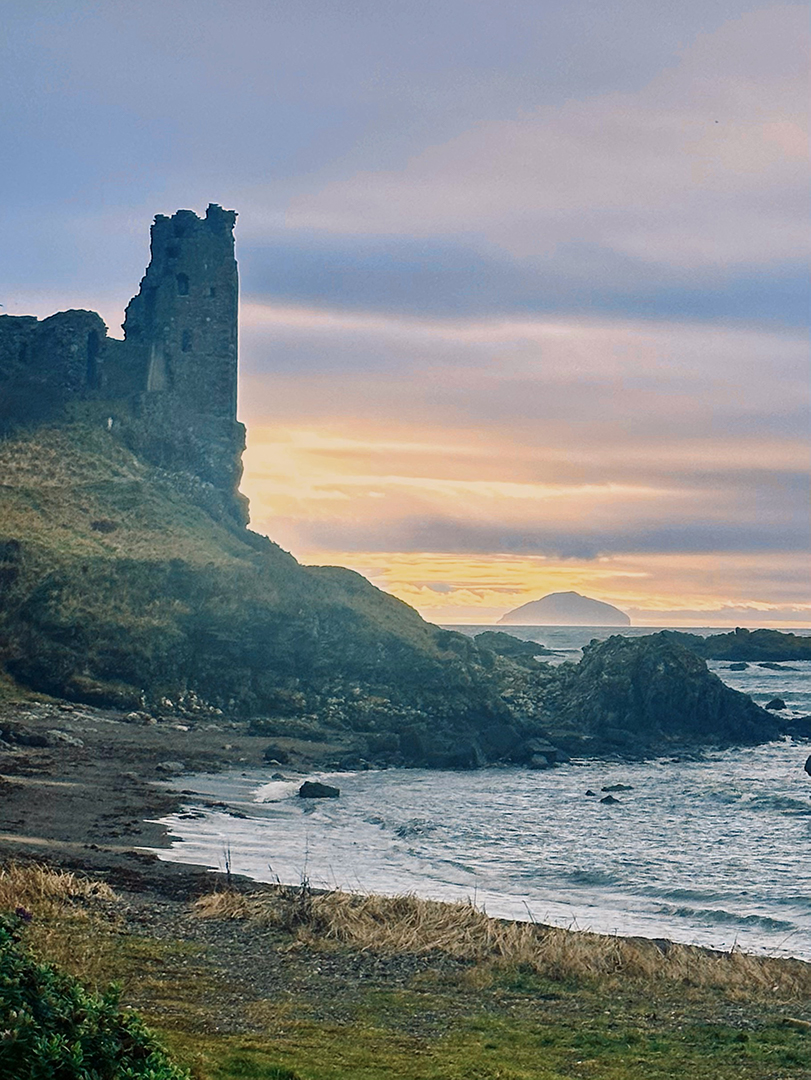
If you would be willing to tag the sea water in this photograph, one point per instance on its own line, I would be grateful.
(711, 851)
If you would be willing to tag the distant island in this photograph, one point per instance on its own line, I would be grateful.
(566, 609)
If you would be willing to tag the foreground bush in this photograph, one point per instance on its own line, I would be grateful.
(52, 1028)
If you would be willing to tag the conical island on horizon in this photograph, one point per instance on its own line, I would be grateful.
(565, 609)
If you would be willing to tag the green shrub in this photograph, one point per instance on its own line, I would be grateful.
(53, 1028)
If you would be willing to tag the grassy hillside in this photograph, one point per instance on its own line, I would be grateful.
(121, 585)
(117, 587)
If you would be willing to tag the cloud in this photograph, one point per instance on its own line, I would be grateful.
(702, 169)
(674, 589)
(461, 536)
(447, 277)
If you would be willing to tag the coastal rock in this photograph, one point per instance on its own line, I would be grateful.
(500, 741)
(799, 727)
(509, 645)
(276, 755)
(743, 644)
(618, 787)
(539, 761)
(807, 765)
(170, 768)
(609, 800)
(740, 666)
(421, 749)
(542, 748)
(776, 703)
(636, 695)
(314, 789)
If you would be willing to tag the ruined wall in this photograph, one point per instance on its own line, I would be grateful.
(170, 388)
(44, 365)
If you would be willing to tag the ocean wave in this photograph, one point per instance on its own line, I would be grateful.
(415, 827)
(731, 918)
(782, 803)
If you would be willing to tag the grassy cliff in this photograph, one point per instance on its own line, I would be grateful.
(119, 588)
(122, 586)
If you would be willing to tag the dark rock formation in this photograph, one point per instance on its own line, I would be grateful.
(776, 703)
(566, 609)
(536, 747)
(314, 789)
(609, 800)
(508, 645)
(807, 765)
(740, 666)
(617, 787)
(798, 727)
(539, 761)
(276, 755)
(631, 695)
(743, 645)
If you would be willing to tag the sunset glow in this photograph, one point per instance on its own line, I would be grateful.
(525, 288)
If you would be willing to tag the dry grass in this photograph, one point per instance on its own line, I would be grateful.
(45, 891)
(407, 924)
(71, 922)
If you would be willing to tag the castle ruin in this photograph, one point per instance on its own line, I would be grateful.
(169, 389)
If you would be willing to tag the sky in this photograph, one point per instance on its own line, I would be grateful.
(524, 284)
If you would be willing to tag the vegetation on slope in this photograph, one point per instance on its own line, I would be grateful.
(282, 985)
(53, 1026)
(119, 587)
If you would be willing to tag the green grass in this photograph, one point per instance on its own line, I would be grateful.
(512, 1042)
(457, 1021)
(115, 580)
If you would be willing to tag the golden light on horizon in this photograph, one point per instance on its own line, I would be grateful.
(314, 487)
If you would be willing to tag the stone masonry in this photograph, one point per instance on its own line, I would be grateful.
(169, 389)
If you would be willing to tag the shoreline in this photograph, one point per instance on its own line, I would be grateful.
(315, 989)
(91, 798)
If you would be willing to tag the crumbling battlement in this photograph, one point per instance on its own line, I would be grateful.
(169, 389)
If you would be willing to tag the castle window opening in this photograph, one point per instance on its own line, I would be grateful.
(182, 284)
(186, 341)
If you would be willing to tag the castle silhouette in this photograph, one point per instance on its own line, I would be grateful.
(169, 389)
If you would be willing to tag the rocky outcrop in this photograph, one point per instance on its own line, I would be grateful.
(746, 645)
(510, 646)
(314, 789)
(640, 696)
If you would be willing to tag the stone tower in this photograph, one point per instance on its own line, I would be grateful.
(185, 313)
(180, 334)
